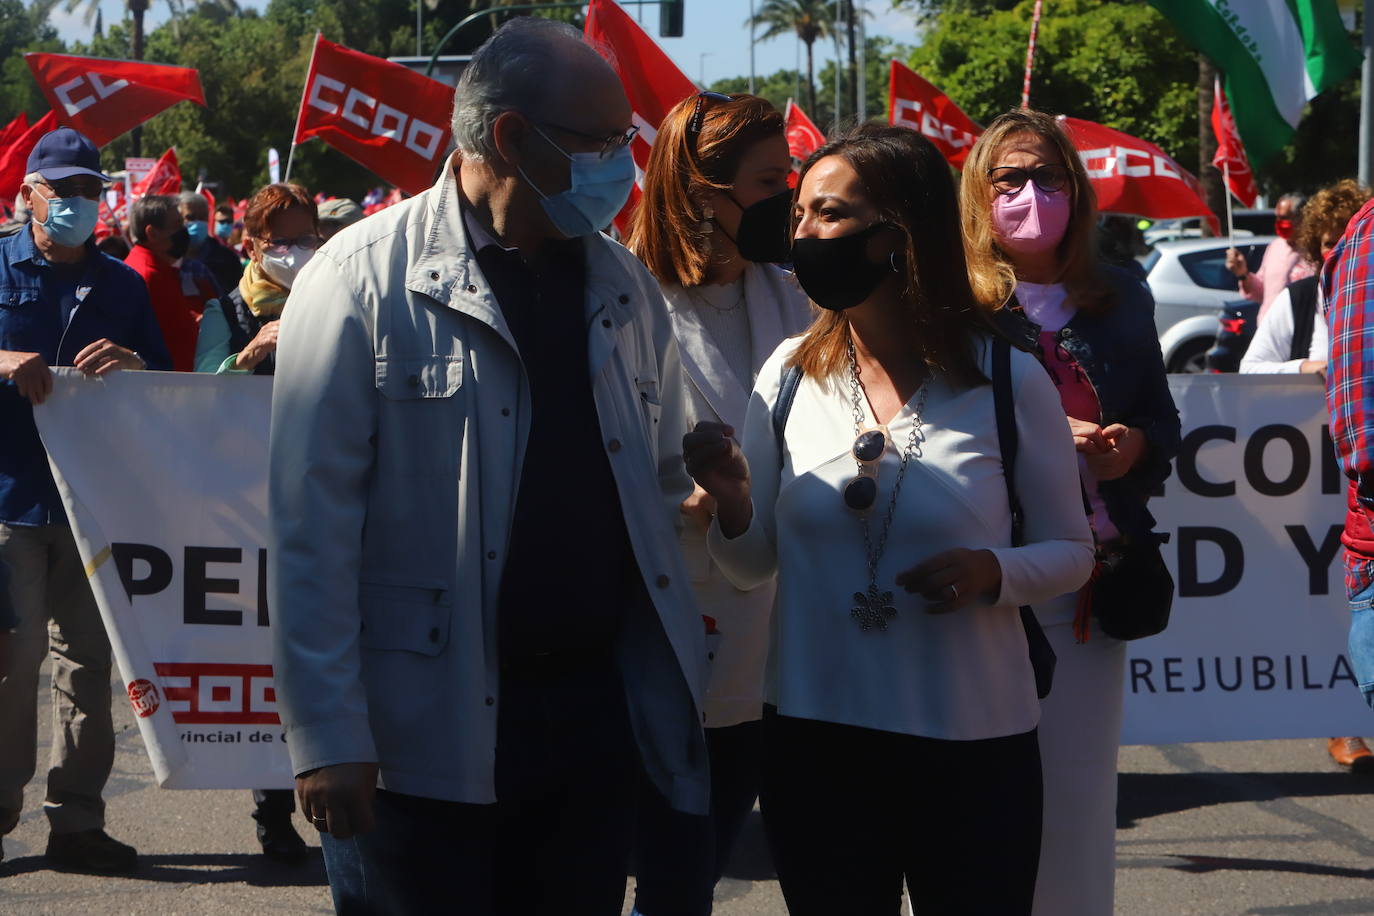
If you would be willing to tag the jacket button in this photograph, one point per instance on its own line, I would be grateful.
(505, 411)
(624, 299)
(710, 656)
(663, 581)
(434, 634)
(613, 445)
(472, 288)
(434, 274)
(605, 322)
(491, 701)
(491, 554)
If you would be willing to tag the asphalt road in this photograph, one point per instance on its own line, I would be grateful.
(1262, 828)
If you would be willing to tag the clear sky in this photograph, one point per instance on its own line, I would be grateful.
(715, 40)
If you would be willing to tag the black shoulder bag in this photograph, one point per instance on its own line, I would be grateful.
(1041, 654)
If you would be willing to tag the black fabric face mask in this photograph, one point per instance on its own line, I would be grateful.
(180, 242)
(765, 226)
(836, 273)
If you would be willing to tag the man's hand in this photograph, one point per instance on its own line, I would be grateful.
(1127, 447)
(105, 356)
(29, 373)
(1235, 263)
(338, 799)
(1313, 367)
(258, 349)
(699, 508)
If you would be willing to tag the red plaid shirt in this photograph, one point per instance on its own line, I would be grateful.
(1347, 280)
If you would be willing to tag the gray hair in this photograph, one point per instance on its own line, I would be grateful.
(151, 210)
(196, 203)
(1296, 199)
(511, 71)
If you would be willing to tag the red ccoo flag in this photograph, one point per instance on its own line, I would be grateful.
(652, 81)
(106, 98)
(1230, 158)
(915, 103)
(13, 130)
(1134, 176)
(165, 178)
(15, 157)
(387, 118)
(803, 136)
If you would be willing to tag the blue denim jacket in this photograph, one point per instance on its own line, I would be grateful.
(112, 303)
(1119, 350)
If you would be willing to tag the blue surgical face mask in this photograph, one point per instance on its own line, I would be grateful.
(223, 230)
(199, 230)
(600, 187)
(71, 220)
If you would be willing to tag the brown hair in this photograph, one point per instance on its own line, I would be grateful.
(990, 270)
(1326, 212)
(666, 228)
(274, 199)
(908, 181)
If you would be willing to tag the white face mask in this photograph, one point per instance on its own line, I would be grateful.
(283, 268)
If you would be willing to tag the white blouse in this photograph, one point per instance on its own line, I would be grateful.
(1268, 351)
(960, 676)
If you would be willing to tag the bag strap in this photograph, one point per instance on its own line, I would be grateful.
(1004, 406)
(787, 393)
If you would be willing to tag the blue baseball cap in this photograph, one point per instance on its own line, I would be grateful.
(63, 153)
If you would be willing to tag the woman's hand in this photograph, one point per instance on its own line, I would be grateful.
(954, 579)
(1235, 263)
(699, 508)
(1127, 448)
(718, 466)
(1088, 438)
(258, 349)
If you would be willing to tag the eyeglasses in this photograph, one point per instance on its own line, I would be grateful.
(862, 490)
(1008, 179)
(608, 144)
(283, 245)
(698, 118)
(76, 186)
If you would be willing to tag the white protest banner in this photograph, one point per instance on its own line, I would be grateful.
(164, 479)
(1256, 646)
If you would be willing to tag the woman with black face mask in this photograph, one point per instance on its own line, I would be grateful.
(900, 737)
(715, 206)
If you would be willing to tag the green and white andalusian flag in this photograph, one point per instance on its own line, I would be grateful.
(1276, 55)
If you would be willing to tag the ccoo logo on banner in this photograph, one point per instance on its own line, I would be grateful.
(170, 516)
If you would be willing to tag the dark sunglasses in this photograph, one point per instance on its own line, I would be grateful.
(89, 188)
(1008, 179)
(862, 491)
(698, 118)
(283, 245)
(608, 144)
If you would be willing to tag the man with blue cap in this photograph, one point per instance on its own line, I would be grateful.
(62, 303)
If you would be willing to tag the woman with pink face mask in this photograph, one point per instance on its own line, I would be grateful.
(1029, 221)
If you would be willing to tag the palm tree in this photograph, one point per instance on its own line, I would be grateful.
(809, 19)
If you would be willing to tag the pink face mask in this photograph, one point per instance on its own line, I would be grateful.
(1030, 221)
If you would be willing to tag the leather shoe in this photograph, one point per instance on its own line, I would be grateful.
(90, 850)
(1352, 753)
(281, 843)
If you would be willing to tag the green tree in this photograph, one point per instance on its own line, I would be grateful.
(808, 19)
(23, 29)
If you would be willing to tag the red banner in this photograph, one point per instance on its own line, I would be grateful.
(13, 130)
(1136, 177)
(106, 98)
(165, 178)
(1230, 157)
(15, 157)
(652, 81)
(915, 103)
(803, 136)
(387, 118)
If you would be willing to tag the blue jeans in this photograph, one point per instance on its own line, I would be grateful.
(557, 840)
(1362, 641)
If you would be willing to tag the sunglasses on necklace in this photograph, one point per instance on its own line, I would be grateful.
(862, 490)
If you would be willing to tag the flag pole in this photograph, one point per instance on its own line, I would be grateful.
(300, 113)
(1226, 178)
(1030, 54)
(1366, 163)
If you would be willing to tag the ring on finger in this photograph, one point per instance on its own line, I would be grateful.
(953, 592)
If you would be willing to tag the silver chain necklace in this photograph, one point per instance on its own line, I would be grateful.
(874, 608)
(700, 299)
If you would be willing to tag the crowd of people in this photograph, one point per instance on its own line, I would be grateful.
(822, 497)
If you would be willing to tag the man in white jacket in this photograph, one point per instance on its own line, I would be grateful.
(485, 635)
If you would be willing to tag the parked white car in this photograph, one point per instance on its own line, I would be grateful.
(1190, 284)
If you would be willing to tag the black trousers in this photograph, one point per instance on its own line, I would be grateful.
(850, 812)
(557, 840)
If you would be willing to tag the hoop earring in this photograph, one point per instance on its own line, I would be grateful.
(892, 262)
(706, 226)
